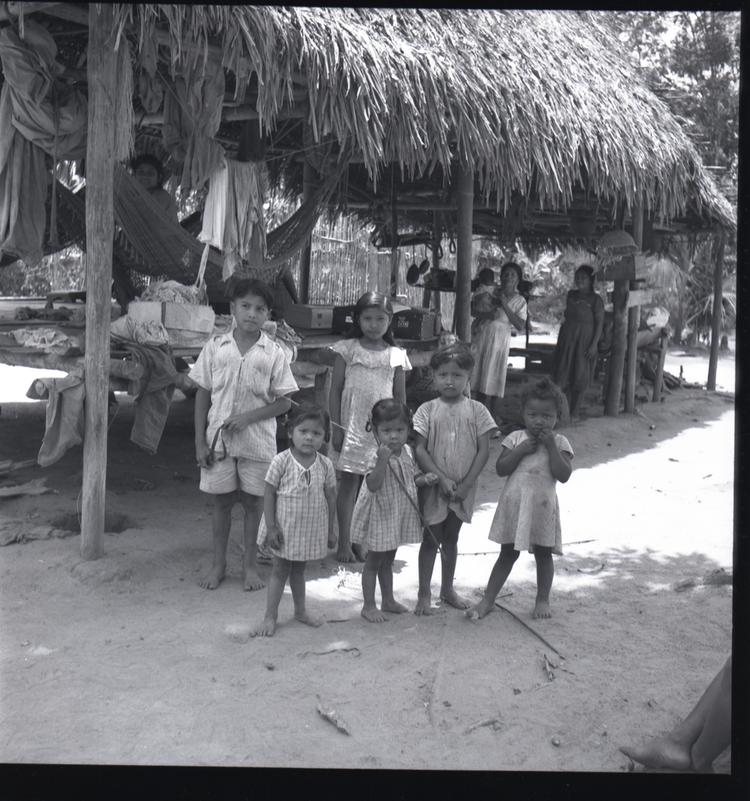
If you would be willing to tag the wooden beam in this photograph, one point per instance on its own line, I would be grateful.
(233, 114)
(634, 319)
(393, 285)
(465, 197)
(619, 343)
(100, 159)
(713, 359)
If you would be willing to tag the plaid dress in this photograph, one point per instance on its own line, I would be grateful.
(301, 506)
(385, 519)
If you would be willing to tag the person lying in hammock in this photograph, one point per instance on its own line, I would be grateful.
(150, 173)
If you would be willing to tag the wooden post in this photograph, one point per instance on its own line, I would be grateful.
(308, 187)
(634, 319)
(393, 288)
(619, 341)
(713, 358)
(100, 153)
(437, 236)
(659, 376)
(465, 198)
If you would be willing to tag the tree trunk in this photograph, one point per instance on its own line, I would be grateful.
(716, 312)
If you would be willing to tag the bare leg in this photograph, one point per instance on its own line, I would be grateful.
(499, 574)
(347, 496)
(253, 505)
(574, 404)
(279, 576)
(222, 522)
(545, 570)
(699, 738)
(448, 557)
(716, 733)
(373, 564)
(297, 585)
(426, 561)
(385, 576)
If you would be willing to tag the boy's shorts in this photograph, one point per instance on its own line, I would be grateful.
(233, 473)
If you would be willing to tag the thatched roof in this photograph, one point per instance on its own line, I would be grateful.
(542, 103)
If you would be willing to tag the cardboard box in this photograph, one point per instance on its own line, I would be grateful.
(416, 324)
(188, 325)
(305, 315)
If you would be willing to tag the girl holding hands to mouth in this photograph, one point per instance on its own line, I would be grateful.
(528, 515)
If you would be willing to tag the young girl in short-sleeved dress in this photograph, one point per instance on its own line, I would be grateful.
(298, 512)
(528, 514)
(369, 366)
(385, 514)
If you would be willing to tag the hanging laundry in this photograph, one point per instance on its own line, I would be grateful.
(244, 227)
(215, 208)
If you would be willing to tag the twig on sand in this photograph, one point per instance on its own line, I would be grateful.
(493, 722)
(334, 647)
(530, 628)
(578, 542)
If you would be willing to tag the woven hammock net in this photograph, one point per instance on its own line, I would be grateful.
(149, 242)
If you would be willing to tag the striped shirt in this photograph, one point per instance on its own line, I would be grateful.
(301, 506)
(241, 383)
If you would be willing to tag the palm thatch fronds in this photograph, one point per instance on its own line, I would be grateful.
(538, 101)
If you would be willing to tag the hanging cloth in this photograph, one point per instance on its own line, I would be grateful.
(244, 226)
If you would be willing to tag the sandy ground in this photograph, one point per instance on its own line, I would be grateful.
(125, 660)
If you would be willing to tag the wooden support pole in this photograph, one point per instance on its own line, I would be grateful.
(619, 342)
(659, 375)
(393, 288)
(308, 187)
(465, 197)
(100, 153)
(713, 359)
(437, 236)
(634, 319)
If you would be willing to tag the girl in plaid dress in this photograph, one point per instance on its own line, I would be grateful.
(299, 508)
(385, 514)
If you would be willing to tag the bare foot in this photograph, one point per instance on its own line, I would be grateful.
(345, 554)
(373, 614)
(264, 629)
(308, 620)
(480, 610)
(253, 581)
(660, 752)
(452, 598)
(541, 610)
(424, 607)
(393, 606)
(213, 579)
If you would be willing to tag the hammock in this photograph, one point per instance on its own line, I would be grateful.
(148, 241)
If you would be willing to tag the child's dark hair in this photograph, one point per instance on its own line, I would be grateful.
(152, 161)
(308, 411)
(386, 410)
(543, 389)
(458, 353)
(239, 286)
(371, 300)
(486, 273)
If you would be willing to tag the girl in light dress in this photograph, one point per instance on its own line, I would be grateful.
(528, 514)
(453, 434)
(368, 365)
(298, 513)
(386, 512)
